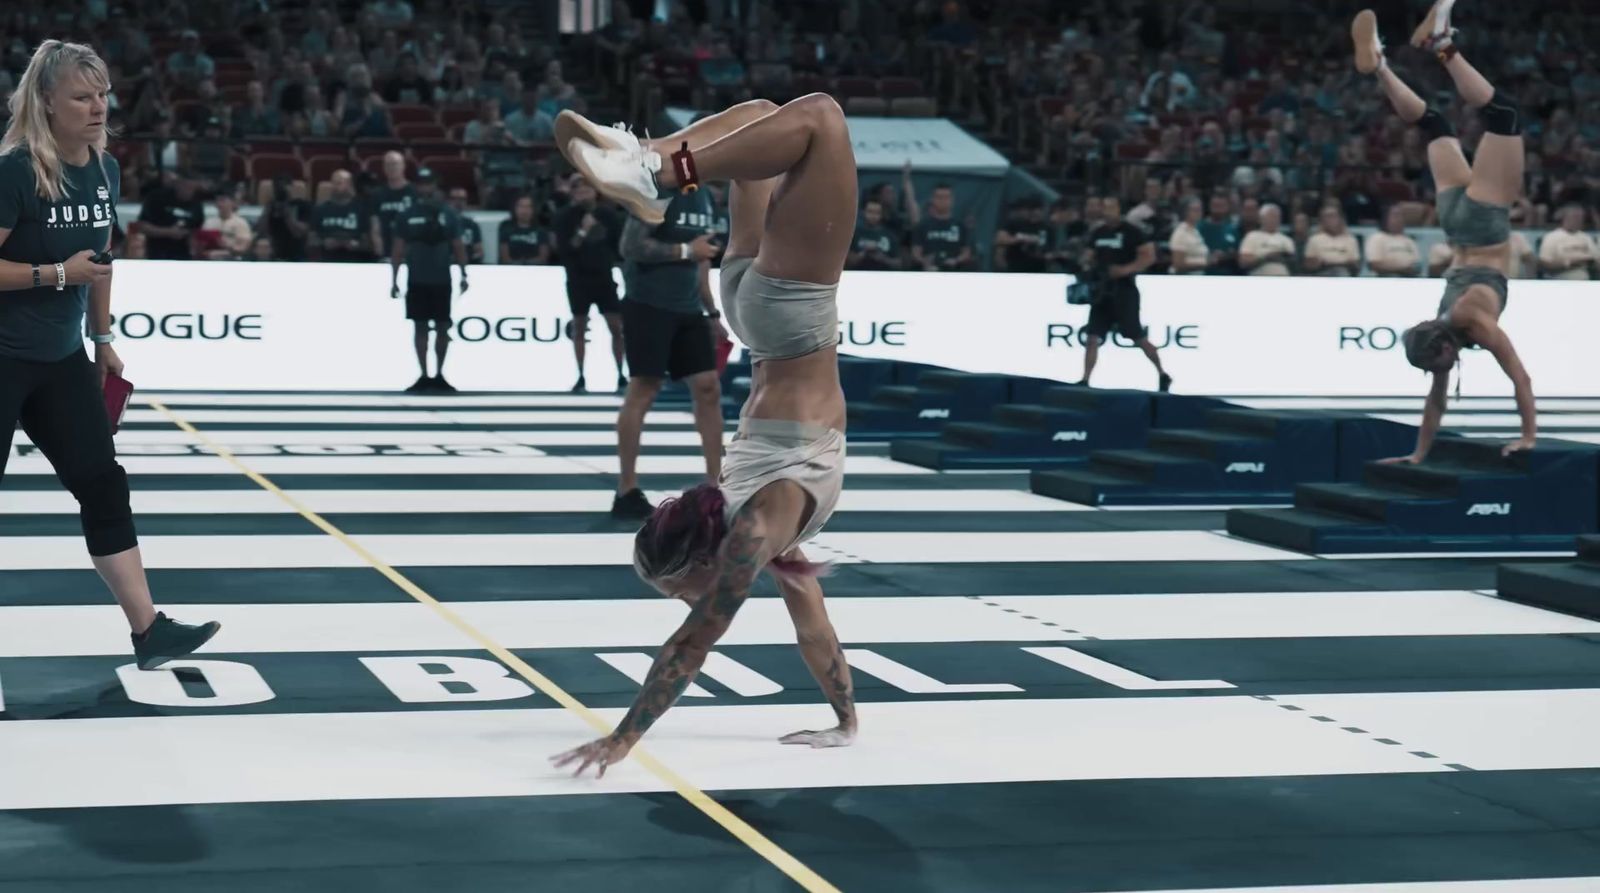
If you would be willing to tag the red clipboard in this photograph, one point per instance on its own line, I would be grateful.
(724, 350)
(118, 392)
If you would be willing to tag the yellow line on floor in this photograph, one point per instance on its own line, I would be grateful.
(749, 836)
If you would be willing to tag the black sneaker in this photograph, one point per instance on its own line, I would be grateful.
(1165, 383)
(421, 385)
(167, 639)
(622, 383)
(580, 387)
(440, 386)
(631, 506)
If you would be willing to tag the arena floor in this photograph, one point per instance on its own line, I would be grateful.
(1054, 698)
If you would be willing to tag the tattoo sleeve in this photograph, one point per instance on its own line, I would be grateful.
(825, 658)
(743, 555)
(637, 245)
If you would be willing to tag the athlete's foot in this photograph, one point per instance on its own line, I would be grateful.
(628, 178)
(1164, 383)
(1369, 49)
(579, 387)
(1435, 28)
(631, 506)
(420, 385)
(572, 126)
(168, 640)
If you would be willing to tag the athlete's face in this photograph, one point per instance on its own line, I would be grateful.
(77, 108)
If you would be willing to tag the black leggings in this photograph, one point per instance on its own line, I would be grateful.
(62, 407)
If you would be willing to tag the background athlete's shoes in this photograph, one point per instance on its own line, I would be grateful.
(624, 176)
(1369, 49)
(1435, 28)
(441, 386)
(167, 639)
(631, 506)
(420, 386)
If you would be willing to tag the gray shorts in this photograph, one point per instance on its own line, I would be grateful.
(1457, 281)
(778, 319)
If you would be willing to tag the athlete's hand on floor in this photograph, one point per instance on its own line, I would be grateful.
(1412, 459)
(1517, 446)
(837, 736)
(600, 753)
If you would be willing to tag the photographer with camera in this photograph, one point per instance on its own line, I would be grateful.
(427, 238)
(170, 217)
(285, 219)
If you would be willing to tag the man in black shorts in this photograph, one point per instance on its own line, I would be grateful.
(669, 326)
(1121, 251)
(427, 237)
(586, 237)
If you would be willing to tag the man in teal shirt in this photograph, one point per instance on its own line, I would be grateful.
(427, 238)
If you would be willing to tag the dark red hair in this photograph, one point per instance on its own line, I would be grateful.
(688, 529)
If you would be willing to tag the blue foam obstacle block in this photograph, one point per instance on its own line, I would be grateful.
(922, 407)
(1235, 455)
(1466, 497)
(1045, 424)
(1572, 587)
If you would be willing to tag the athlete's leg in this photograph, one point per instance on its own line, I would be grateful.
(811, 218)
(1497, 168)
(614, 323)
(441, 345)
(1445, 158)
(580, 338)
(1091, 355)
(420, 342)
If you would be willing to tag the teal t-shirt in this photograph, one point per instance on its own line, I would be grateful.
(673, 285)
(42, 324)
(429, 230)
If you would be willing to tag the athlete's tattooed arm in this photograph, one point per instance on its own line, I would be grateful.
(819, 646)
(637, 245)
(744, 552)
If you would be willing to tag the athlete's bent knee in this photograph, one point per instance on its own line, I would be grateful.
(1436, 126)
(822, 106)
(1502, 116)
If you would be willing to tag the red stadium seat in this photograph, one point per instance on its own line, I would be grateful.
(453, 172)
(313, 147)
(238, 168)
(321, 167)
(913, 107)
(847, 87)
(269, 166)
(871, 106)
(453, 115)
(412, 114)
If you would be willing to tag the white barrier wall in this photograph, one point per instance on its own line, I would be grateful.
(246, 326)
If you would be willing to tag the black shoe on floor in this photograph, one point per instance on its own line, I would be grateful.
(440, 386)
(631, 506)
(1165, 384)
(167, 639)
(420, 386)
(622, 383)
(580, 386)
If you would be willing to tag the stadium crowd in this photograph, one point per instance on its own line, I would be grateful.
(247, 126)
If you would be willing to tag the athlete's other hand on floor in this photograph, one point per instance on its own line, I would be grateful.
(1517, 446)
(599, 753)
(838, 736)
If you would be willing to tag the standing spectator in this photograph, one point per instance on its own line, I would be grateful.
(1267, 250)
(206, 159)
(189, 65)
(234, 230)
(1190, 256)
(341, 228)
(471, 232)
(521, 239)
(876, 247)
(527, 123)
(1221, 233)
(1121, 252)
(1390, 252)
(1333, 251)
(1524, 262)
(427, 238)
(1022, 242)
(1568, 252)
(170, 216)
(587, 236)
(942, 242)
(389, 201)
(287, 217)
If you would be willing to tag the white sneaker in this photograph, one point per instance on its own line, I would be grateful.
(572, 126)
(1436, 27)
(623, 176)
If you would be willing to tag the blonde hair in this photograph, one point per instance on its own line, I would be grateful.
(29, 129)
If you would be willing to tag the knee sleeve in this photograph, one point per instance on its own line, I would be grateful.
(1501, 115)
(105, 512)
(1435, 126)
